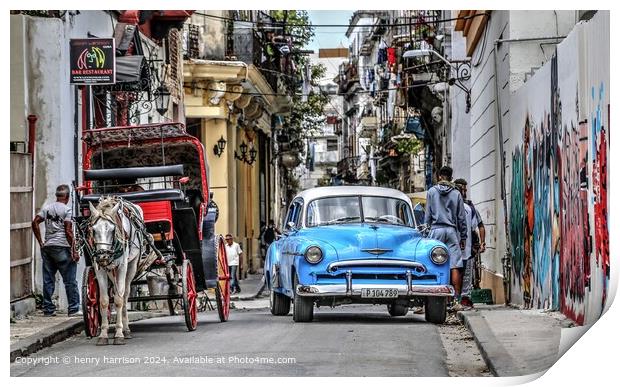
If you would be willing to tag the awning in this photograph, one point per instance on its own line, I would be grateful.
(131, 69)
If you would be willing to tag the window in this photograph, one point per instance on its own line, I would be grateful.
(332, 144)
(386, 210)
(294, 214)
(333, 210)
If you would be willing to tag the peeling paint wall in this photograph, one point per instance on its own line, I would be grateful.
(557, 174)
(50, 98)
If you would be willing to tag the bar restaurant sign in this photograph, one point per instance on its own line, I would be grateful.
(92, 61)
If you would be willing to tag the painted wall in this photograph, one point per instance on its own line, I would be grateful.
(455, 115)
(495, 75)
(557, 153)
(50, 96)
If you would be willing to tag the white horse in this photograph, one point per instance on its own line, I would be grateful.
(118, 246)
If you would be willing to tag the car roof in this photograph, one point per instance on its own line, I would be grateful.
(350, 190)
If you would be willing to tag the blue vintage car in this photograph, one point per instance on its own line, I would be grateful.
(352, 244)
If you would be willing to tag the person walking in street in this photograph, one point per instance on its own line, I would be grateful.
(271, 234)
(472, 244)
(445, 215)
(58, 251)
(234, 254)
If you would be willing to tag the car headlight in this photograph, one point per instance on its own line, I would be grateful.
(313, 254)
(439, 255)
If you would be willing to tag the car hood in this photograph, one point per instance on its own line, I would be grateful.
(351, 240)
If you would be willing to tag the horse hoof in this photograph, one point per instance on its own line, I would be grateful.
(119, 341)
(127, 334)
(102, 341)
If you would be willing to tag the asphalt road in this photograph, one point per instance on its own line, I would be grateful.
(346, 341)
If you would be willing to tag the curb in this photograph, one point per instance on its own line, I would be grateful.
(60, 332)
(497, 359)
(46, 338)
(254, 296)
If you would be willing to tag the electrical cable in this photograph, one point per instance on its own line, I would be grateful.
(281, 24)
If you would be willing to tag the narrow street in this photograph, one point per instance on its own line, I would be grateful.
(346, 341)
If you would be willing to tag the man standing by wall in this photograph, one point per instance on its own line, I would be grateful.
(58, 251)
(473, 245)
(445, 215)
(234, 254)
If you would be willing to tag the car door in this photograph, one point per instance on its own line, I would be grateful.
(289, 244)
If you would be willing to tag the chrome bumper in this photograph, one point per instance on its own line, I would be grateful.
(350, 290)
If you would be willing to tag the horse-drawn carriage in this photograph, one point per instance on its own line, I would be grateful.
(153, 180)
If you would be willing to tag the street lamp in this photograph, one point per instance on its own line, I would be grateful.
(253, 153)
(462, 68)
(244, 151)
(218, 149)
(162, 99)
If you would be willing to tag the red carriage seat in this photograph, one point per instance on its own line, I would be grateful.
(158, 218)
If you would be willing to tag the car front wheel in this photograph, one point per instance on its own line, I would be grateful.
(396, 310)
(435, 309)
(279, 304)
(303, 308)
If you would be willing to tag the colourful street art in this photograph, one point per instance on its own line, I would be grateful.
(558, 219)
(599, 184)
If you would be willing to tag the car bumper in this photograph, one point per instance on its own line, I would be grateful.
(353, 290)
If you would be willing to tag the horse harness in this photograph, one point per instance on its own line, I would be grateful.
(121, 238)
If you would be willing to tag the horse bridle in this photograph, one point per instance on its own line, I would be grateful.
(107, 256)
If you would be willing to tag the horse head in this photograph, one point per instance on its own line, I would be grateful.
(105, 230)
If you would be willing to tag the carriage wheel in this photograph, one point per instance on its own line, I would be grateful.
(222, 291)
(190, 307)
(90, 302)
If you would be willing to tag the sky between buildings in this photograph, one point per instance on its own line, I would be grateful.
(329, 37)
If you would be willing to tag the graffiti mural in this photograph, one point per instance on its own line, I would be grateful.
(599, 185)
(558, 215)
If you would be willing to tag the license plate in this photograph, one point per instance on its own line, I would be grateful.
(379, 293)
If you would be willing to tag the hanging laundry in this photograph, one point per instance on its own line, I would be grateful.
(382, 53)
(391, 55)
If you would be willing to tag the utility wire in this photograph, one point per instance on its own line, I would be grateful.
(281, 24)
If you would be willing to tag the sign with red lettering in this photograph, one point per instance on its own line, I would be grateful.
(92, 61)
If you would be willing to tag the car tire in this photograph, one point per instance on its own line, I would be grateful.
(396, 310)
(303, 307)
(279, 304)
(435, 309)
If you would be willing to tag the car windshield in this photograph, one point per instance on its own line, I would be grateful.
(346, 209)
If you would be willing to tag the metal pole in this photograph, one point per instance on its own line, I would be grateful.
(508, 256)
(500, 41)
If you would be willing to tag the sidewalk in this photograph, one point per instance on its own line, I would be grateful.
(249, 288)
(515, 342)
(35, 332)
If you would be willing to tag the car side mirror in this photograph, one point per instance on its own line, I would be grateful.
(423, 229)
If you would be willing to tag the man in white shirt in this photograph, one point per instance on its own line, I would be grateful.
(234, 254)
(57, 251)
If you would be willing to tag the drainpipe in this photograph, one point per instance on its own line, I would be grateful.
(507, 259)
(32, 132)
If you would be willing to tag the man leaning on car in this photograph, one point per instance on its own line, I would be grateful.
(445, 215)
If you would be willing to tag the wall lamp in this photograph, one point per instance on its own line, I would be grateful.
(244, 153)
(462, 69)
(218, 149)
(162, 99)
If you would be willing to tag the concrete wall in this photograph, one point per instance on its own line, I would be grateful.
(49, 96)
(456, 116)
(515, 61)
(557, 148)
(213, 34)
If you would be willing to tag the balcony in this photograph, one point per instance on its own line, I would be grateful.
(348, 76)
(247, 46)
(368, 127)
